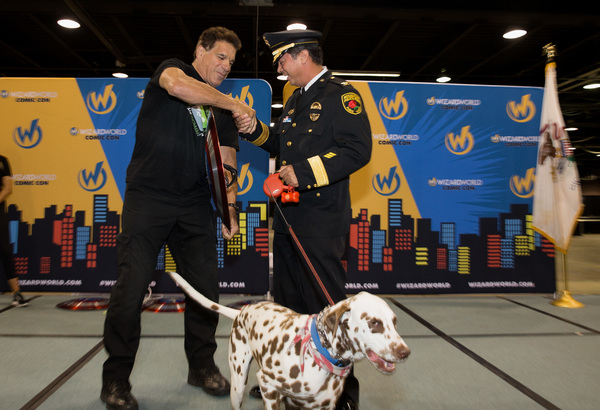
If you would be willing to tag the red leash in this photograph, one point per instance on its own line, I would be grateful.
(300, 248)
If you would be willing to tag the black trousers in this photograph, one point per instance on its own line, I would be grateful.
(189, 231)
(6, 252)
(295, 286)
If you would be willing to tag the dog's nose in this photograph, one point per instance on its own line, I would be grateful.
(402, 352)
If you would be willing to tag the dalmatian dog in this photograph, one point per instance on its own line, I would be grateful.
(303, 360)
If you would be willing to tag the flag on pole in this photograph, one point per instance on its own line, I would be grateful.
(557, 201)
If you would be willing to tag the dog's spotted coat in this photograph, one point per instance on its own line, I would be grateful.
(358, 327)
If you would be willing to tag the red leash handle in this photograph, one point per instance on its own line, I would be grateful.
(274, 187)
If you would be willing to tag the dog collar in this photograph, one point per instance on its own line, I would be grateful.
(322, 350)
(320, 354)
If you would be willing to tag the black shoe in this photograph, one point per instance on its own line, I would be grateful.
(117, 395)
(211, 381)
(19, 300)
(255, 392)
(346, 403)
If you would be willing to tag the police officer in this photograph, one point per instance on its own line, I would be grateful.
(321, 138)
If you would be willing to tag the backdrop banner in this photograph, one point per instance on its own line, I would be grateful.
(444, 206)
(69, 142)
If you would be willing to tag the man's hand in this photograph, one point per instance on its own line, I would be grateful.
(245, 119)
(244, 123)
(228, 234)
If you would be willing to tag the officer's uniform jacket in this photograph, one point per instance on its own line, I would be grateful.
(325, 135)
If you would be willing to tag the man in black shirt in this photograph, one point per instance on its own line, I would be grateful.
(167, 199)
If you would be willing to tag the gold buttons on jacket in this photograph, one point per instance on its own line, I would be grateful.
(289, 143)
(283, 162)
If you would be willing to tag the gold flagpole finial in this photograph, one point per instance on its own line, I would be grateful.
(550, 51)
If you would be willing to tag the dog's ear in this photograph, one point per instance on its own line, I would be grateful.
(333, 316)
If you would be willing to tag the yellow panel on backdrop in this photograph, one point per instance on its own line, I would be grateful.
(51, 163)
(383, 158)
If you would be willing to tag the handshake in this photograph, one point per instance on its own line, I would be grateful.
(245, 119)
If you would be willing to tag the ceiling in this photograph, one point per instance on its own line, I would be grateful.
(417, 40)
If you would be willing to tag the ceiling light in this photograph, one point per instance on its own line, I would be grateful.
(282, 77)
(68, 23)
(443, 77)
(277, 105)
(571, 129)
(366, 73)
(296, 26)
(512, 34)
(592, 86)
(120, 75)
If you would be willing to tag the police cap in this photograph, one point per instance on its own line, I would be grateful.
(281, 41)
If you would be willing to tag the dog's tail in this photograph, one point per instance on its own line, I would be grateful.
(203, 300)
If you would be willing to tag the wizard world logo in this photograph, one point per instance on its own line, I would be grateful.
(93, 180)
(386, 185)
(28, 137)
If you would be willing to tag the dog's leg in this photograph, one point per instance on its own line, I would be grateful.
(240, 358)
(271, 397)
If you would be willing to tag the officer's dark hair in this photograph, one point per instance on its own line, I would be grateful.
(314, 51)
(211, 35)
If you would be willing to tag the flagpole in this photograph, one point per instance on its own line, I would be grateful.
(565, 299)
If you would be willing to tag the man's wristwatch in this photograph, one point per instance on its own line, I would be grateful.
(234, 206)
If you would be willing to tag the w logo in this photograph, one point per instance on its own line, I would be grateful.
(93, 181)
(245, 179)
(394, 109)
(523, 187)
(523, 111)
(28, 137)
(102, 103)
(388, 184)
(245, 96)
(460, 144)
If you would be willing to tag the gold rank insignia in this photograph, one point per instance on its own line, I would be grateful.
(352, 103)
(290, 112)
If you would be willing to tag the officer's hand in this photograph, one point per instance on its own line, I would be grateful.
(288, 176)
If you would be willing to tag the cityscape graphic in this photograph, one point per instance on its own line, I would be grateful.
(60, 253)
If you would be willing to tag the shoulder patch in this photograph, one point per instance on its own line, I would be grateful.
(352, 103)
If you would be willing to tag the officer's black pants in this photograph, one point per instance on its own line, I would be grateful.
(189, 231)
